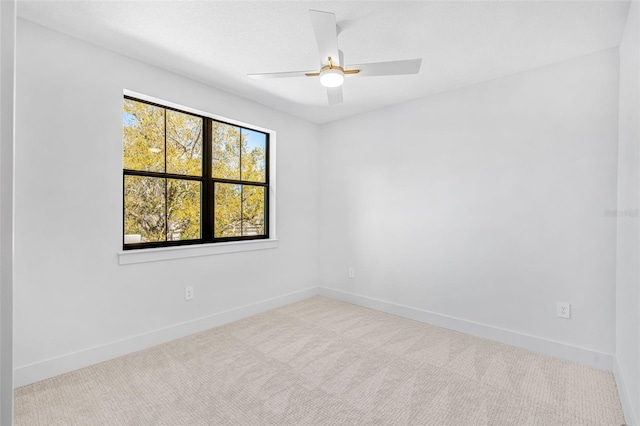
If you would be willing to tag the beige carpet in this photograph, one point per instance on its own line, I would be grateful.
(321, 361)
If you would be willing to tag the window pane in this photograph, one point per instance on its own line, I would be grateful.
(184, 144)
(226, 151)
(183, 210)
(254, 149)
(144, 209)
(228, 210)
(143, 136)
(253, 210)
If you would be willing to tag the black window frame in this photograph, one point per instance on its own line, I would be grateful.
(208, 182)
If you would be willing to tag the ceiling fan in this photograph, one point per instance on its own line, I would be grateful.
(333, 70)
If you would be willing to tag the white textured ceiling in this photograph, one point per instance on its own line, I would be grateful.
(219, 42)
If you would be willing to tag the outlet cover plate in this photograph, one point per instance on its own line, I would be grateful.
(563, 310)
(188, 292)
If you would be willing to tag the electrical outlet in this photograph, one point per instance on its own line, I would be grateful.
(563, 310)
(188, 292)
(352, 272)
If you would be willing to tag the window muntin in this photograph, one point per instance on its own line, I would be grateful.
(190, 179)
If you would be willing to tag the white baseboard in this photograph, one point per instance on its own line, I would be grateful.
(26, 374)
(35, 372)
(630, 416)
(536, 344)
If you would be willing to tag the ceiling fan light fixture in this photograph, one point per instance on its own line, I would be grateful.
(332, 77)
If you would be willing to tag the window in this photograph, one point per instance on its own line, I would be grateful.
(190, 179)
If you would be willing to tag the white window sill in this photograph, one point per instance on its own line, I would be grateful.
(168, 253)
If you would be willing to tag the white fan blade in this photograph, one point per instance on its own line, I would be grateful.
(409, 66)
(335, 95)
(278, 74)
(324, 26)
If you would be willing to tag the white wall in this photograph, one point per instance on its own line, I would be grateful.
(7, 83)
(70, 293)
(484, 204)
(628, 252)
